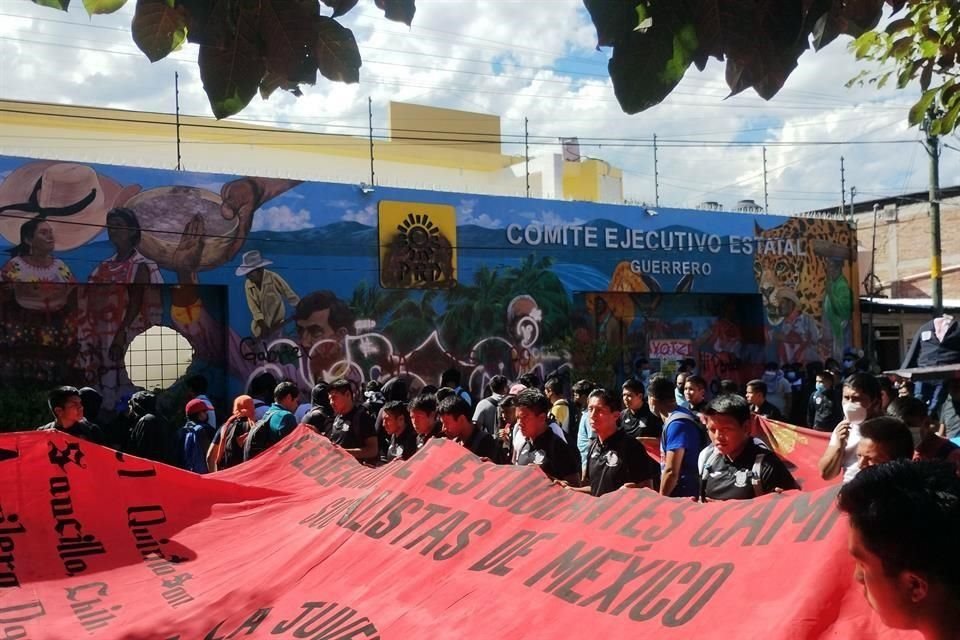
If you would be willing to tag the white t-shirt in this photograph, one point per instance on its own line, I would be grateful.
(849, 461)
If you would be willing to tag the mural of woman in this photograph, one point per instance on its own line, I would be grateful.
(38, 306)
(114, 315)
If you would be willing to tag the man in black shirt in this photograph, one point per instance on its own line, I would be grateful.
(823, 408)
(541, 446)
(352, 428)
(398, 439)
(455, 415)
(757, 397)
(423, 416)
(636, 420)
(67, 409)
(735, 466)
(320, 416)
(614, 459)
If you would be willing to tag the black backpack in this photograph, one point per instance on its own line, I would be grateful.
(260, 438)
(233, 440)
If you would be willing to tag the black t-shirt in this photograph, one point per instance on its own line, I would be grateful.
(84, 429)
(482, 444)
(352, 430)
(755, 471)
(768, 410)
(400, 446)
(640, 424)
(423, 439)
(320, 418)
(551, 454)
(618, 460)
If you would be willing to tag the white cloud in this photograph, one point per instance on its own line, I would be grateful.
(367, 215)
(281, 218)
(466, 214)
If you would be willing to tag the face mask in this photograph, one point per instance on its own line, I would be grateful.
(917, 436)
(821, 387)
(791, 376)
(847, 364)
(854, 412)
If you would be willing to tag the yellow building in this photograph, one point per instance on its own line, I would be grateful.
(463, 154)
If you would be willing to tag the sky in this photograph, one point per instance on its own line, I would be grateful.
(533, 59)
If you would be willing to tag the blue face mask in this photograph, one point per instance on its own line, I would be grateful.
(791, 376)
(821, 387)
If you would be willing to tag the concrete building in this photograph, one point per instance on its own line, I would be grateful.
(463, 154)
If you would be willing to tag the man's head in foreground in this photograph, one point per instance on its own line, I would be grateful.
(904, 519)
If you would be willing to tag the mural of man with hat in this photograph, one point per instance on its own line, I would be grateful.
(266, 292)
(798, 334)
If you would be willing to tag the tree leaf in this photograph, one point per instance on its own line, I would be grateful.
(926, 75)
(62, 5)
(901, 46)
(613, 19)
(398, 10)
(288, 30)
(900, 24)
(158, 29)
(94, 7)
(949, 121)
(336, 51)
(340, 7)
(860, 15)
(231, 74)
(919, 109)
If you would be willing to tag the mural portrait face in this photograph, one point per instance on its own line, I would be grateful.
(42, 242)
(315, 328)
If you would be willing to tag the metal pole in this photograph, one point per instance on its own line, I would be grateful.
(766, 199)
(176, 91)
(656, 174)
(872, 278)
(853, 193)
(843, 189)
(526, 150)
(373, 176)
(936, 275)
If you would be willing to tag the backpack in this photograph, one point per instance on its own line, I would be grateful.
(196, 442)
(260, 437)
(232, 441)
(681, 415)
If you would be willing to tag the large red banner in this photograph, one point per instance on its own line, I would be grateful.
(305, 543)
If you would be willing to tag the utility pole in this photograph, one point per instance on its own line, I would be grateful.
(853, 193)
(526, 150)
(932, 144)
(373, 176)
(656, 174)
(843, 189)
(176, 96)
(766, 198)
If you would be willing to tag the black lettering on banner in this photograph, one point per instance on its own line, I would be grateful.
(10, 526)
(327, 620)
(682, 573)
(564, 566)
(12, 619)
(394, 516)
(251, 624)
(72, 549)
(351, 519)
(519, 545)
(823, 510)
(634, 569)
(707, 585)
(440, 482)
(326, 515)
(88, 603)
(753, 522)
(706, 534)
(139, 519)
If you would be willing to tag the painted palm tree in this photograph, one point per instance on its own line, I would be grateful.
(474, 312)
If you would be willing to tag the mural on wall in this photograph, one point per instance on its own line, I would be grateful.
(326, 280)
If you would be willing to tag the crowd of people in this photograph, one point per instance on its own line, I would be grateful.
(900, 474)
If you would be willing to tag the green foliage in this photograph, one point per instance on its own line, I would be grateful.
(594, 360)
(248, 46)
(923, 45)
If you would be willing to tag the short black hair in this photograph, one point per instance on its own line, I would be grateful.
(530, 380)
(864, 383)
(450, 378)
(397, 408)
(262, 385)
(454, 406)
(499, 384)
(426, 402)
(892, 433)
(610, 401)
(553, 385)
(758, 385)
(908, 409)
(58, 396)
(729, 405)
(886, 385)
(771, 366)
(907, 513)
(633, 386)
(729, 386)
(341, 385)
(197, 384)
(534, 400)
(827, 376)
(698, 381)
(508, 401)
(661, 389)
(583, 387)
(443, 393)
(284, 389)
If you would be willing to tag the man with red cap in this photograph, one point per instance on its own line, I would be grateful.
(194, 438)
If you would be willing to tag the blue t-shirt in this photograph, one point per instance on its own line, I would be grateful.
(683, 434)
(282, 421)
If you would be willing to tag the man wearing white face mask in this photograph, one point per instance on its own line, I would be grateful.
(861, 401)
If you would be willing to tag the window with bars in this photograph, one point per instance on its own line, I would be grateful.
(158, 357)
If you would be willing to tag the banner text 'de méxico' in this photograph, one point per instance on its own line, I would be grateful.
(303, 542)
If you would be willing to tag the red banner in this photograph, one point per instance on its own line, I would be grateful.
(305, 543)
